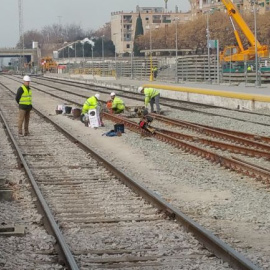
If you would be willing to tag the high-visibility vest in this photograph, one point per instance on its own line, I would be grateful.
(26, 98)
(90, 103)
(118, 103)
(149, 94)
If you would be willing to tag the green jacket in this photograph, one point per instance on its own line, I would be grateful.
(26, 97)
(118, 104)
(149, 94)
(90, 103)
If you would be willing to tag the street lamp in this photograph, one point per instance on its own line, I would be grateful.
(150, 45)
(176, 49)
(115, 56)
(257, 82)
(92, 48)
(82, 42)
(208, 45)
(102, 55)
(69, 47)
(102, 47)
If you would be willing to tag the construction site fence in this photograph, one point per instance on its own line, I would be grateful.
(193, 68)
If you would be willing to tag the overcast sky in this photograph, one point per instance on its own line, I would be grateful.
(89, 14)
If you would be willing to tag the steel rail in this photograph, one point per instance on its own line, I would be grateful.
(51, 79)
(244, 168)
(137, 96)
(210, 241)
(211, 132)
(241, 167)
(206, 130)
(64, 249)
(242, 134)
(218, 145)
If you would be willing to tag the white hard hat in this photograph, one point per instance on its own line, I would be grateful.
(140, 89)
(26, 78)
(97, 96)
(112, 94)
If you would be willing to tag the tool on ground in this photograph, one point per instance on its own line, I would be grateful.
(145, 123)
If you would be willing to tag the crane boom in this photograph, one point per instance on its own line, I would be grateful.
(234, 13)
(238, 53)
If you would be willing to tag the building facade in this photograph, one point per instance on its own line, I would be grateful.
(123, 24)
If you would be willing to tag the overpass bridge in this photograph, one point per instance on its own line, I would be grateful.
(31, 55)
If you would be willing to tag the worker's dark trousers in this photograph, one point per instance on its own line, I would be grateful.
(24, 117)
(155, 100)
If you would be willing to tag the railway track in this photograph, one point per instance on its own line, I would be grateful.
(175, 104)
(243, 145)
(105, 224)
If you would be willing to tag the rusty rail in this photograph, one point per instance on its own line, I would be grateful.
(219, 145)
(229, 163)
(212, 132)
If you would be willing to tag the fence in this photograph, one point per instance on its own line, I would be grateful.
(194, 68)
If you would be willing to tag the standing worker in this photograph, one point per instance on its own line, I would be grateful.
(155, 71)
(118, 106)
(89, 104)
(24, 99)
(151, 95)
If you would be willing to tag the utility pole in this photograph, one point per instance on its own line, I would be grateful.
(257, 82)
(208, 47)
(21, 32)
(176, 50)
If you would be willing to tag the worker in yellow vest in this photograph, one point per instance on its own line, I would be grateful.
(155, 71)
(152, 96)
(24, 99)
(118, 105)
(89, 104)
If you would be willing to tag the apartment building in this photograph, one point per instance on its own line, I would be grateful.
(244, 6)
(123, 24)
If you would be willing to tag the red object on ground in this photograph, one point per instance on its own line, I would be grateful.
(109, 106)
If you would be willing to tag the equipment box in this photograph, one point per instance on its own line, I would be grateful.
(94, 119)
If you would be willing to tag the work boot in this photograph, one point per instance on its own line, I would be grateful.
(20, 134)
(26, 133)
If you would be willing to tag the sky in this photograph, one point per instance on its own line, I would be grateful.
(89, 14)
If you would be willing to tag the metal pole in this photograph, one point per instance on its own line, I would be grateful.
(92, 61)
(230, 65)
(103, 55)
(131, 59)
(208, 47)
(68, 60)
(75, 53)
(257, 83)
(103, 48)
(218, 62)
(151, 62)
(115, 59)
(176, 50)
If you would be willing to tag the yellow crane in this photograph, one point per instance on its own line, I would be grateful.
(239, 53)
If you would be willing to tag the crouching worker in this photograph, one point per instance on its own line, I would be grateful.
(89, 104)
(118, 106)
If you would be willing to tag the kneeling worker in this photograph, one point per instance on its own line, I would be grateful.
(118, 106)
(151, 95)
